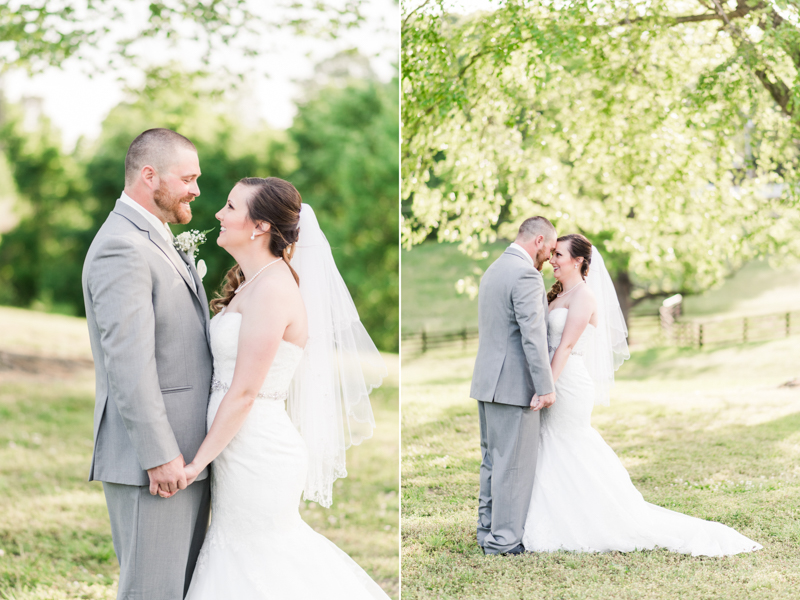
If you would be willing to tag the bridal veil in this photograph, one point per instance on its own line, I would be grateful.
(609, 348)
(329, 396)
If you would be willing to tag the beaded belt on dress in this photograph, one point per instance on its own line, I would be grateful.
(217, 385)
(551, 349)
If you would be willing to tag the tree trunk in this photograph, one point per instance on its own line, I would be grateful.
(623, 287)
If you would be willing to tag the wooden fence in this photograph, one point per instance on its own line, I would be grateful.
(701, 333)
(422, 341)
(647, 332)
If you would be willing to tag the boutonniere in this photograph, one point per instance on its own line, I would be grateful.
(189, 242)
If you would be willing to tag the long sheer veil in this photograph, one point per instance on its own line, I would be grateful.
(608, 349)
(329, 396)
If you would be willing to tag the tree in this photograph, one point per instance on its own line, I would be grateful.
(51, 187)
(346, 136)
(668, 137)
(46, 33)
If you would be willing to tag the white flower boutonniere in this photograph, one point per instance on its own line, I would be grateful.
(189, 242)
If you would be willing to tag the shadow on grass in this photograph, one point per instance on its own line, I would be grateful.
(742, 476)
(738, 449)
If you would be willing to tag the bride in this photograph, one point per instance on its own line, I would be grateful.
(285, 330)
(583, 499)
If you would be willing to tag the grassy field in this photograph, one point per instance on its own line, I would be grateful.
(712, 434)
(431, 270)
(55, 540)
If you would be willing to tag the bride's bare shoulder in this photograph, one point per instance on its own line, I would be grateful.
(584, 298)
(276, 289)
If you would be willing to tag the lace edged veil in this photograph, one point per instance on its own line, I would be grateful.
(609, 347)
(329, 395)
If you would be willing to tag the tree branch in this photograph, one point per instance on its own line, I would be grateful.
(409, 15)
(779, 91)
(716, 14)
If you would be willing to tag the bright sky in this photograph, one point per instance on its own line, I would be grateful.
(457, 6)
(77, 104)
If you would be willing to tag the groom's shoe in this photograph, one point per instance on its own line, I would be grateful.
(519, 549)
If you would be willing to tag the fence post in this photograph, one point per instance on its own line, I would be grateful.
(700, 336)
(788, 323)
(424, 342)
(744, 330)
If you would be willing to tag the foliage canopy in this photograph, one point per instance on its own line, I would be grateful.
(34, 35)
(665, 131)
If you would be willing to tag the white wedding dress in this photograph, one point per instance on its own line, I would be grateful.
(258, 546)
(583, 499)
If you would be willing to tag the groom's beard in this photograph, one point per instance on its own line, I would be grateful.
(541, 257)
(172, 206)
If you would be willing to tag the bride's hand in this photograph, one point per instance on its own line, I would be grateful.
(192, 471)
(539, 402)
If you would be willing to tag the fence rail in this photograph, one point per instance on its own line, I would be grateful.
(701, 333)
(647, 332)
(422, 341)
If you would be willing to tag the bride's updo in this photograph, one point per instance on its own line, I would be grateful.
(278, 203)
(579, 247)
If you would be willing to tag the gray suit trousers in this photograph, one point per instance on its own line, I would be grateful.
(509, 446)
(157, 540)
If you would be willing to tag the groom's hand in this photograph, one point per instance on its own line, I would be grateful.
(539, 402)
(169, 477)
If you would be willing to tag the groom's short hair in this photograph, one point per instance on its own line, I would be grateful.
(154, 147)
(534, 226)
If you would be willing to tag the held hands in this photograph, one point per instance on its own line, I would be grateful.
(190, 471)
(539, 402)
(167, 479)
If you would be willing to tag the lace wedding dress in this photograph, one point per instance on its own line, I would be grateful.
(583, 499)
(258, 546)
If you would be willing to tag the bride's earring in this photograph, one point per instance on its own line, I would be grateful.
(253, 236)
(576, 265)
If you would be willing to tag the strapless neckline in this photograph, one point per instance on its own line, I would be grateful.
(551, 311)
(288, 343)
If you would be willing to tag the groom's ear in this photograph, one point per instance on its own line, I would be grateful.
(149, 175)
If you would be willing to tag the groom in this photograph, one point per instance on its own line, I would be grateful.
(148, 324)
(512, 381)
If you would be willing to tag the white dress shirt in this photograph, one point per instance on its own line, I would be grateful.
(524, 253)
(161, 228)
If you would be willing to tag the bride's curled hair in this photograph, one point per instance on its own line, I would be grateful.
(278, 203)
(579, 247)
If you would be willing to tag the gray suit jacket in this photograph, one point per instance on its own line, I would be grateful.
(513, 362)
(149, 331)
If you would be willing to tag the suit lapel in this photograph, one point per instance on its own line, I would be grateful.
(200, 292)
(168, 249)
(187, 264)
(174, 257)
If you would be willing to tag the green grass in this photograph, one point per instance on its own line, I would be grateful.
(710, 434)
(430, 300)
(55, 539)
(428, 292)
